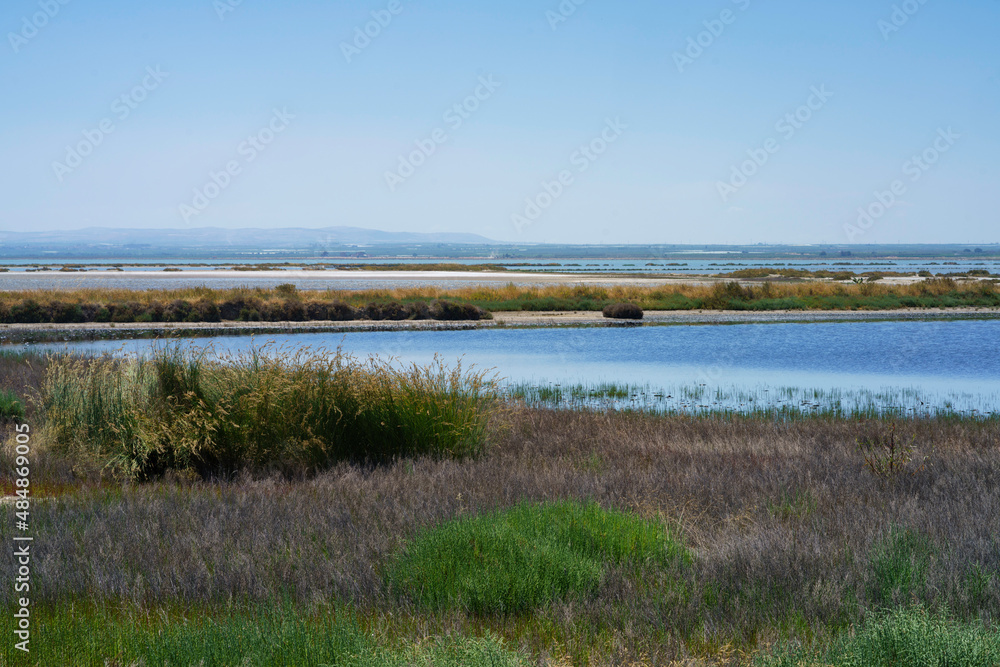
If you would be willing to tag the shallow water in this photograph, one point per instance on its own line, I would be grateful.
(908, 366)
(19, 277)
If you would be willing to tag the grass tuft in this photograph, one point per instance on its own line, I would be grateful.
(899, 567)
(526, 557)
(906, 637)
(11, 407)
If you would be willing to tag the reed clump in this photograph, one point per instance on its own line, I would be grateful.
(623, 311)
(266, 409)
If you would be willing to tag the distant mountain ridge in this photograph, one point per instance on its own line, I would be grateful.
(290, 238)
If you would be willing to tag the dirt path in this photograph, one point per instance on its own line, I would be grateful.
(26, 333)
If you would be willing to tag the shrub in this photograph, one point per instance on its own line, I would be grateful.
(623, 311)
(206, 311)
(177, 310)
(28, 311)
(523, 558)
(63, 313)
(292, 310)
(420, 310)
(317, 310)
(392, 310)
(232, 309)
(247, 315)
(448, 310)
(125, 312)
(885, 456)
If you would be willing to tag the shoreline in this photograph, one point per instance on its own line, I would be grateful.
(340, 279)
(11, 334)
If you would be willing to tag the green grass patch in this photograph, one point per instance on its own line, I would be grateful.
(899, 566)
(11, 407)
(906, 637)
(524, 558)
(282, 636)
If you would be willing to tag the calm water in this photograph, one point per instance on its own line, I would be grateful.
(881, 365)
(19, 277)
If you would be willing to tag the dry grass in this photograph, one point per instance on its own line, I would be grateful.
(285, 303)
(791, 533)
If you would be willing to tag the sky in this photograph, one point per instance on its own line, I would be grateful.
(581, 121)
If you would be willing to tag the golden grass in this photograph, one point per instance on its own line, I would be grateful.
(644, 296)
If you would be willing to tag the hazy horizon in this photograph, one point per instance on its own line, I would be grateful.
(732, 122)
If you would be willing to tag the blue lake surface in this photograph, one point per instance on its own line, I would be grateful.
(940, 365)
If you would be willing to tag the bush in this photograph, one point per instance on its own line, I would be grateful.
(177, 310)
(125, 312)
(28, 311)
(338, 311)
(392, 310)
(885, 455)
(64, 313)
(447, 310)
(523, 558)
(297, 412)
(623, 311)
(291, 310)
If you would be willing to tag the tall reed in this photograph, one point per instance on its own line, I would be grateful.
(269, 408)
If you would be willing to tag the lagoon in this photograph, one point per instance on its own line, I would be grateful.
(911, 367)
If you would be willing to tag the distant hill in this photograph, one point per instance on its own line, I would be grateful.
(203, 238)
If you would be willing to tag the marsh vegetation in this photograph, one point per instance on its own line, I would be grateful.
(286, 303)
(547, 537)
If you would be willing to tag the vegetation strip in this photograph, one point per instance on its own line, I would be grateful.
(287, 304)
(633, 539)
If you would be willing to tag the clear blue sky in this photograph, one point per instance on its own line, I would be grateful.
(674, 135)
